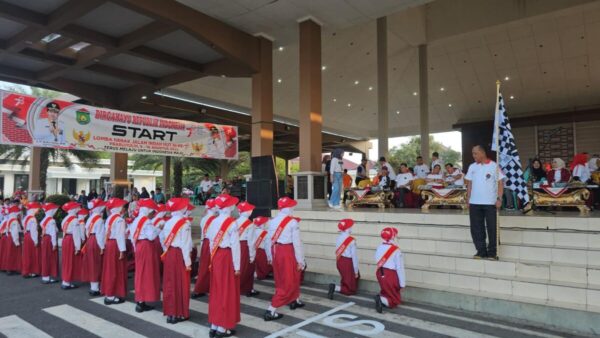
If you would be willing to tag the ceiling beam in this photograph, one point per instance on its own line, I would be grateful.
(229, 41)
(22, 15)
(59, 44)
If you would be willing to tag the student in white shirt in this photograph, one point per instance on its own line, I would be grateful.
(403, 184)
(390, 271)
(421, 169)
(454, 175)
(435, 178)
(346, 261)
(485, 188)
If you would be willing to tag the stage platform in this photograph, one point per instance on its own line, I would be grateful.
(548, 273)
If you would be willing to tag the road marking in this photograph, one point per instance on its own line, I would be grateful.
(186, 328)
(447, 315)
(310, 320)
(15, 327)
(392, 317)
(90, 323)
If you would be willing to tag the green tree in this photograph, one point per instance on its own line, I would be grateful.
(408, 152)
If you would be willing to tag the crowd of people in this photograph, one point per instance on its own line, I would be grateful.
(96, 244)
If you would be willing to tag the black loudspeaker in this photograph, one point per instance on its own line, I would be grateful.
(262, 189)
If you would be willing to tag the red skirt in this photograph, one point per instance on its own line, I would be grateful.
(246, 269)
(13, 257)
(71, 263)
(203, 281)
(49, 258)
(261, 263)
(390, 286)
(130, 255)
(31, 256)
(224, 300)
(349, 283)
(91, 266)
(176, 285)
(114, 271)
(147, 272)
(287, 276)
(2, 254)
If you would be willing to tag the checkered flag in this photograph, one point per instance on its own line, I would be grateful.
(508, 156)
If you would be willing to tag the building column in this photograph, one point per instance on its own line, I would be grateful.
(262, 102)
(424, 102)
(118, 173)
(35, 183)
(166, 185)
(310, 184)
(382, 88)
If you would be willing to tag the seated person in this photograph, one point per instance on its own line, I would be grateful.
(454, 175)
(435, 178)
(536, 171)
(579, 168)
(384, 180)
(364, 183)
(403, 184)
(558, 174)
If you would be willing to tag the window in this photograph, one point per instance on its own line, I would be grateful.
(21, 181)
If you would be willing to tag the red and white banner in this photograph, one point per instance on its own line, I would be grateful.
(41, 122)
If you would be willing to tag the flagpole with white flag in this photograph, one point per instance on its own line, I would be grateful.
(496, 133)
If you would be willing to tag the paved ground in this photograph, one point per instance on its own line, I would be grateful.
(30, 309)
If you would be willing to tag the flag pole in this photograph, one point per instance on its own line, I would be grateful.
(497, 132)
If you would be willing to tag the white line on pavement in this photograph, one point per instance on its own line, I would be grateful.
(310, 320)
(15, 327)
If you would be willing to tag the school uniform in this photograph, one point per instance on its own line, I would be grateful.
(3, 237)
(390, 274)
(262, 266)
(12, 249)
(114, 262)
(346, 261)
(224, 300)
(71, 244)
(147, 272)
(31, 250)
(245, 229)
(176, 237)
(202, 285)
(49, 247)
(91, 269)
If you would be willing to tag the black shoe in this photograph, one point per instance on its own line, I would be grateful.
(228, 333)
(198, 295)
(331, 291)
(378, 304)
(107, 301)
(296, 305)
(180, 319)
(170, 320)
(212, 333)
(52, 281)
(141, 307)
(119, 301)
(69, 287)
(492, 257)
(479, 255)
(269, 316)
(94, 293)
(252, 293)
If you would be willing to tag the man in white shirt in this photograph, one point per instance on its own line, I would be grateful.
(336, 171)
(484, 193)
(383, 163)
(435, 178)
(454, 175)
(50, 130)
(436, 160)
(421, 169)
(403, 182)
(205, 186)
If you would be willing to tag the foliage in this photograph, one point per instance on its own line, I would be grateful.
(408, 152)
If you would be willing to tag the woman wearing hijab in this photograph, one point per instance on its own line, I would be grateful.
(537, 171)
(558, 174)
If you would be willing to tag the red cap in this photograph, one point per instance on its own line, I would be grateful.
(245, 206)
(33, 205)
(225, 200)
(210, 203)
(83, 212)
(115, 202)
(98, 202)
(345, 224)
(49, 206)
(147, 203)
(161, 208)
(70, 206)
(286, 202)
(387, 234)
(260, 220)
(13, 209)
(177, 204)
(395, 231)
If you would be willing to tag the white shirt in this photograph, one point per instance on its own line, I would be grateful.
(421, 171)
(484, 179)
(182, 240)
(230, 238)
(290, 234)
(42, 134)
(395, 262)
(32, 227)
(204, 219)
(205, 185)
(73, 230)
(455, 174)
(384, 181)
(117, 231)
(336, 166)
(98, 230)
(248, 233)
(148, 231)
(350, 251)
(252, 242)
(437, 162)
(50, 229)
(557, 175)
(391, 172)
(14, 228)
(582, 172)
(403, 180)
(432, 177)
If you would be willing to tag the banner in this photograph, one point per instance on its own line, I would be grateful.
(42, 122)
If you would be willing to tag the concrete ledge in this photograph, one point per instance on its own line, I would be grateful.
(567, 320)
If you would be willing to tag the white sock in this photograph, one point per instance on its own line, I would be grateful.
(66, 283)
(298, 300)
(111, 298)
(95, 286)
(46, 278)
(338, 288)
(272, 309)
(213, 327)
(384, 301)
(221, 329)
